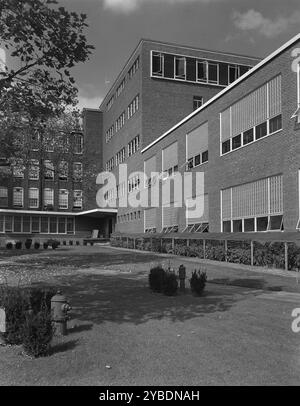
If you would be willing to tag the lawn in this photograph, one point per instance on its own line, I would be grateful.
(123, 334)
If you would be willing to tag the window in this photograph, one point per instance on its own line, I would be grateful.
(109, 133)
(77, 171)
(8, 223)
(202, 71)
(226, 226)
(49, 143)
(61, 225)
(254, 206)
(233, 73)
(120, 122)
(70, 225)
(78, 143)
(213, 73)
(48, 169)
(197, 102)
(197, 146)
(109, 166)
(255, 116)
(110, 103)
(261, 131)
(120, 88)
(275, 124)
(133, 146)
(3, 196)
(63, 169)
(18, 168)
(33, 198)
(134, 68)
(180, 67)
(18, 196)
(63, 198)
(53, 225)
(248, 136)
(207, 72)
(34, 169)
(134, 183)
(26, 225)
(120, 156)
(157, 64)
(35, 141)
(17, 224)
(133, 107)
(77, 199)
(1, 223)
(35, 224)
(45, 225)
(48, 197)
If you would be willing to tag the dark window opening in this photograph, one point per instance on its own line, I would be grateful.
(225, 146)
(237, 226)
(197, 160)
(236, 141)
(261, 131)
(248, 136)
(157, 64)
(226, 226)
(197, 102)
(262, 223)
(204, 156)
(249, 225)
(275, 124)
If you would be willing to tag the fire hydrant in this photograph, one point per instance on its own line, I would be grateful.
(182, 276)
(60, 308)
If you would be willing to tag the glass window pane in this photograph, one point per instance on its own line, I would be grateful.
(275, 124)
(248, 136)
(17, 224)
(262, 223)
(236, 141)
(35, 224)
(204, 156)
(226, 226)
(26, 224)
(53, 225)
(275, 223)
(237, 226)
(225, 146)
(45, 225)
(261, 130)
(249, 225)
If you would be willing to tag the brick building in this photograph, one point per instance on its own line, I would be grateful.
(159, 85)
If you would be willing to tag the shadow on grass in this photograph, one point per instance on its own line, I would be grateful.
(121, 299)
(251, 283)
(62, 347)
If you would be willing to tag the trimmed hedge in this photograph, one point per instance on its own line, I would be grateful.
(198, 281)
(162, 281)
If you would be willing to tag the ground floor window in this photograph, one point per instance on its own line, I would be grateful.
(36, 224)
(253, 207)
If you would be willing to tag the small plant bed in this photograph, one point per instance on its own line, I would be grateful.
(198, 282)
(163, 281)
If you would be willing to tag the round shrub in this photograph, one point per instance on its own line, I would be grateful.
(45, 245)
(198, 282)
(18, 245)
(36, 245)
(156, 279)
(28, 243)
(9, 245)
(170, 284)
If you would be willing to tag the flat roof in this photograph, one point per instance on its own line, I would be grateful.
(57, 213)
(225, 90)
(170, 44)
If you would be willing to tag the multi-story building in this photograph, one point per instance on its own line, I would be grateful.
(245, 141)
(159, 85)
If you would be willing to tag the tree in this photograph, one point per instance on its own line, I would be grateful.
(45, 42)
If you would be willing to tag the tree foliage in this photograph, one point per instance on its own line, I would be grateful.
(44, 42)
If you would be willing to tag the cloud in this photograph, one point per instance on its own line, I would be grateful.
(128, 6)
(253, 20)
(88, 102)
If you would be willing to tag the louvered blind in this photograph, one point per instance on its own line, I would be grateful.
(261, 198)
(195, 214)
(170, 156)
(150, 166)
(197, 140)
(255, 108)
(150, 218)
(170, 215)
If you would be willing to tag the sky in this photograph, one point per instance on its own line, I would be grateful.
(250, 27)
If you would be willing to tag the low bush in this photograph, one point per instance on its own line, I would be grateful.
(170, 283)
(38, 333)
(9, 245)
(198, 282)
(37, 245)
(156, 279)
(28, 318)
(45, 245)
(28, 243)
(18, 245)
